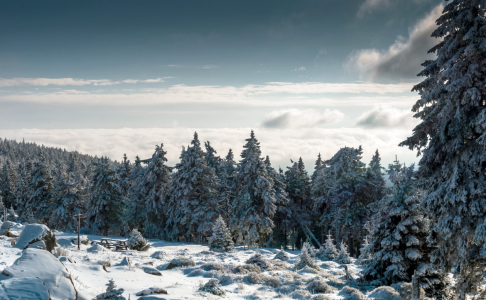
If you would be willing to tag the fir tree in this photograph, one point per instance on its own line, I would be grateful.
(136, 241)
(193, 198)
(22, 192)
(451, 139)
(227, 184)
(398, 244)
(42, 187)
(254, 203)
(221, 239)
(7, 184)
(124, 172)
(112, 293)
(318, 166)
(328, 251)
(106, 201)
(135, 211)
(343, 254)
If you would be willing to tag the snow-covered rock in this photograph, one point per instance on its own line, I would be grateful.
(23, 288)
(125, 262)
(82, 239)
(43, 265)
(151, 270)
(152, 290)
(6, 225)
(36, 232)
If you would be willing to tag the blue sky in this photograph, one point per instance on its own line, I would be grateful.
(313, 75)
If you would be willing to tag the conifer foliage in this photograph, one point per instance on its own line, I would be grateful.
(221, 240)
(451, 139)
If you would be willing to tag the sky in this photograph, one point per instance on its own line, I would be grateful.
(309, 77)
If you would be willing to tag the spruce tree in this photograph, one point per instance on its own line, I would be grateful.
(42, 187)
(135, 210)
(451, 139)
(105, 201)
(124, 172)
(22, 192)
(193, 198)
(328, 251)
(317, 167)
(220, 240)
(398, 239)
(254, 203)
(227, 184)
(7, 184)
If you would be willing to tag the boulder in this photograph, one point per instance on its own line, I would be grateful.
(15, 288)
(126, 262)
(33, 233)
(36, 263)
(151, 271)
(7, 225)
(12, 234)
(152, 290)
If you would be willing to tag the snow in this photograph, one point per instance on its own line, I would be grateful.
(23, 288)
(41, 264)
(31, 233)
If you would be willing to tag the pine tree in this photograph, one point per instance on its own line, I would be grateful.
(42, 187)
(7, 184)
(106, 201)
(68, 200)
(193, 198)
(254, 203)
(112, 293)
(398, 244)
(221, 239)
(136, 241)
(451, 139)
(343, 254)
(318, 166)
(22, 192)
(135, 210)
(124, 172)
(227, 184)
(328, 251)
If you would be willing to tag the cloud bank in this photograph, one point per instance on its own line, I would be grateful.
(403, 59)
(370, 5)
(296, 118)
(383, 116)
(280, 145)
(70, 81)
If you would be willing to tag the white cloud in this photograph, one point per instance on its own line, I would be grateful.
(403, 59)
(296, 118)
(248, 95)
(370, 5)
(70, 81)
(299, 69)
(383, 116)
(280, 145)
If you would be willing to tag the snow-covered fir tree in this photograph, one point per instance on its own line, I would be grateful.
(221, 240)
(227, 184)
(152, 187)
(112, 293)
(328, 251)
(339, 193)
(22, 192)
(105, 201)
(42, 187)
(7, 184)
(134, 212)
(124, 171)
(136, 241)
(451, 139)
(317, 167)
(283, 212)
(193, 198)
(68, 200)
(398, 244)
(254, 203)
(343, 254)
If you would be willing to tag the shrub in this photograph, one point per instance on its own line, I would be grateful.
(213, 287)
(60, 251)
(245, 269)
(180, 262)
(317, 285)
(137, 242)
(352, 293)
(258, 260)
(271, 280)
(254, 278)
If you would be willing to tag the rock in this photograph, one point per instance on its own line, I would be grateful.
(36, 263)
(152, 290)
(158, 254)
(12, 243)
(126, 262)
(96, 248)
(152, 271)
(37, 232)
(15, 288)
(7, 225)
(38, 245)
(12, 234)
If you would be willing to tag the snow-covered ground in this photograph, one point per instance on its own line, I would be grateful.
(92, 266)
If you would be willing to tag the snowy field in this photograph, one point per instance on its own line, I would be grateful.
(93, 266)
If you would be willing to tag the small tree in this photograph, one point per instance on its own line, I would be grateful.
(12, 215)
(305, 260)
(329, 250)
(112, 293)
(343, 256)
(221, 239)
(137, 242)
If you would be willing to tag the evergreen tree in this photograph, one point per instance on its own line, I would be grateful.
(112, 293)
(124, 172)
(398, 244)
(343, 254)
(193, 198)
(105, 201)
(451, 139)
(137, 242)
(328, 250)
(135, 210)
(7, 184)
(221, 239)
(227, 184)
(339, 192)
(318, 166)
(22, 192)
(42, 187)
(254, 203)
(67, 200)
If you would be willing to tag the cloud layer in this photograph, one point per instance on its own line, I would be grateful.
(383, 116)
(280, 145)
(69, 81)
(296, 118)
(403, 59)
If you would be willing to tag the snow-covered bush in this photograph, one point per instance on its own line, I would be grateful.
(158, 254)
(271, 280)
(343, 256)
(137, 242)
(404, 289)
(322, 297)
(305, 260)
(258, 260)
(60, 251)
(300, 294)
(152, 290)
(385, 293)
(180, 262)
(254, 278)
(317, 285)
(245, 269)
(328, 251)
(213, 287)
(221, 240)
(282, 255)
(112, 293)
(351, 293)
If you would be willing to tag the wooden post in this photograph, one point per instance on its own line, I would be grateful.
(415, 286)
(79, 217)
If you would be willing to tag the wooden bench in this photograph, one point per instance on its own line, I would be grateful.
(110, 244)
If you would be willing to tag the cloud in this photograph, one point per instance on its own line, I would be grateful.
(248, 95)
(280, 145)
(295, 118)
(383, 116)
(70, 81)
(299, 69)
(370, 5)
(403, 59)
